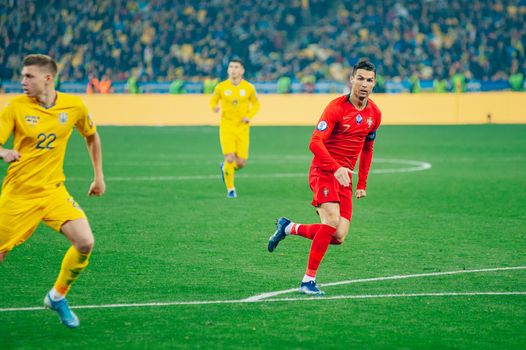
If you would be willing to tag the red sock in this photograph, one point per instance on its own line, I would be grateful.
(319, 246)
(309, 231)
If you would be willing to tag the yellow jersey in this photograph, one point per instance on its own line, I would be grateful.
(237, 102)
(40, 136)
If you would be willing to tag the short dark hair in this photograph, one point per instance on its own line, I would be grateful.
(41, 61)
(237, 60)
(364, 64)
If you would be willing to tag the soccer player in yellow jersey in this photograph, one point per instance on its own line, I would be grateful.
(33, 190)
(239, 104)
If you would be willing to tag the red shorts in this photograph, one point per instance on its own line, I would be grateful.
(326, 188)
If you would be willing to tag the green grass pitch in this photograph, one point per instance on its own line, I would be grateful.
(166, 233)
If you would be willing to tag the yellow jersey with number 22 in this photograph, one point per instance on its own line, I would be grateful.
(40, 136)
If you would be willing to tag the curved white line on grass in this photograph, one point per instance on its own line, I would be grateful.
(414, 166)
(245, 301)
(260, 298)
(376, 279)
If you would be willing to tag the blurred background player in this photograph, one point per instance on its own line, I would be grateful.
(345, 131)
(239, 104)
(33, 190)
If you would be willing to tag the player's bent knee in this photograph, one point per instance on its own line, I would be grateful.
(340, 239)
(230, 158)
(341, 234)
(85, 246)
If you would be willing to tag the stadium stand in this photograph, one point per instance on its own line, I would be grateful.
(416, 45)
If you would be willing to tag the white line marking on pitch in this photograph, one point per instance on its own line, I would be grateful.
(376, 279)
(260, 298)
(245, 301)
(413, 166)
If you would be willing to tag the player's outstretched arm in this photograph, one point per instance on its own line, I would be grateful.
(98, 186)
(9, 155)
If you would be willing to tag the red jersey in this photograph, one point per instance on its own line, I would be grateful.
(343, 134)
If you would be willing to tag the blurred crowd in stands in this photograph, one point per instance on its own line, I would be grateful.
(449, 42)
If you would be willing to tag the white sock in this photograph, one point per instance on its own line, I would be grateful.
(54, 295)
(308, 278)
(288, 228)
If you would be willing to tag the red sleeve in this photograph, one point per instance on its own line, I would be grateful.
(322, 132)
(366, 156)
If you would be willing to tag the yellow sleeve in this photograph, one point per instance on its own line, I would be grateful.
(215, 98)
(7, 123)
(85, 124)
(255, 105)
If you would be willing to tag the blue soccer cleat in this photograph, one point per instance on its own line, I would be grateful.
(310, 288)
(279, 234)
(231, 194)
(67, 317)
(221, 167)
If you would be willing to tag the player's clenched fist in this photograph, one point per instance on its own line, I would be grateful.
(360, 194)
(97, 188)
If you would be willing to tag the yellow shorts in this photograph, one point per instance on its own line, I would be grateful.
(20, 216)
(235, 140)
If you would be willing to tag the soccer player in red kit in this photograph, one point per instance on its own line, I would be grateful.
(345, 132)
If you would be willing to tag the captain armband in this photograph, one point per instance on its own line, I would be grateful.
(371, 136)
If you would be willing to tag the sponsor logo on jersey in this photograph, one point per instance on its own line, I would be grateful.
(359, 119)
(32, 119)
(242, 92)
(369, 122)
(228, 92)
(63, 117)
(322, 125)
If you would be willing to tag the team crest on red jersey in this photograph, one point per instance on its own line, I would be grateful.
(325, 191)
(359, 119)
(369, 122)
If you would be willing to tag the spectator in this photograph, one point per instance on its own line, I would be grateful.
(105, 85)
(297, 37)
(284, 84)
(516, 79)
(414, 80)
(440, 84)
(93, 86)
(177, 87)
(458, 82)
(132, 85)
(209, 85)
